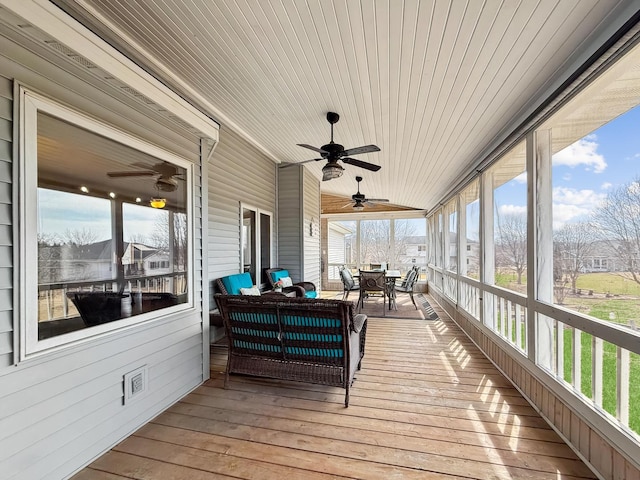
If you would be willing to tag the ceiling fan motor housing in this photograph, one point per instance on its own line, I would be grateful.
(168, 184)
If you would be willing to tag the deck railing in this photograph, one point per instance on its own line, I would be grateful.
(594, 359)
(56, 305)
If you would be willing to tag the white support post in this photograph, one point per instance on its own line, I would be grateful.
(509, 319)
(487, 247)
(518, 326)
(540, 246)
(560, 350)
(622, 377)
(576, 374)
(597, 356)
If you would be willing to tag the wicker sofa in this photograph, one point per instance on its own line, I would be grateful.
(301, 339)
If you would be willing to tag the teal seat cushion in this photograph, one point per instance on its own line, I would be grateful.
(275, 276)
(311, 294)
(233, 283)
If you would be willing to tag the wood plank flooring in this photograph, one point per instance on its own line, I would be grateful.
(426, 404)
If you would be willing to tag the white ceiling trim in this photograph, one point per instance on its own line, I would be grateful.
(60, 26)
(152, 59)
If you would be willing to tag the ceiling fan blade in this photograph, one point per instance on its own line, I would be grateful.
(361, 164)
(377, 200)
(311, 147)
(148, 173)
(348, 205)
(359, 150)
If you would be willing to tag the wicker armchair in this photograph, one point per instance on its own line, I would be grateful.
(274, 274)
(300, 339)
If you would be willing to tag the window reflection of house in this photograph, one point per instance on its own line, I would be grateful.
(140, 260)
(72, 263)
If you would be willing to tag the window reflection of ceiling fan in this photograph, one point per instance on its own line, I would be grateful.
(167, 175)
(334, 152)
(358, 200)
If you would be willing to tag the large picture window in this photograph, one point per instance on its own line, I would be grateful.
(106, 227)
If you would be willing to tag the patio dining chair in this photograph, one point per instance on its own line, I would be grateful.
(372, 282)
(348, 283)
(408, 283)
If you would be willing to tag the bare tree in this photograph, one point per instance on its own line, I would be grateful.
(180, 238)
(374, 241)
(573, 244)
(511, 244)
(48, 258)
(77, 236)
(617, 219)
(138, 238)
(404, 230)
(160, 237)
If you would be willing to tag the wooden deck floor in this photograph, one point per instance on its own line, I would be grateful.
(426, 404)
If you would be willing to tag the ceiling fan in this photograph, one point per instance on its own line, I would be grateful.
(167, 175)
(333, 152)
(358, 200)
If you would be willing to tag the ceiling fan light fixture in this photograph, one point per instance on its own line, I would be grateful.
(358, 207)
(158, 202)
(331, 170)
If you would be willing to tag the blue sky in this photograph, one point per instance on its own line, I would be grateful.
(60, 211)
(585, 171)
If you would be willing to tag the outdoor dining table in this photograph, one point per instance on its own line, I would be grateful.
(390, 277)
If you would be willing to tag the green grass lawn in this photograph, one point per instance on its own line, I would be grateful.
(609, 369)
(615, 298)
(615, 284)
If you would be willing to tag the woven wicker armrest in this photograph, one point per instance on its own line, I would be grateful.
(308, 286)
(358, 322)
(299, 289)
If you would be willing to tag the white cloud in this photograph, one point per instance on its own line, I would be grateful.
(572, 196)
(570, 204)
(563, 213)
(522, 178)
(606, 185)
(582, 152)
(512, 210)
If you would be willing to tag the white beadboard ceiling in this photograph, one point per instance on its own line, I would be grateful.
(432, 83)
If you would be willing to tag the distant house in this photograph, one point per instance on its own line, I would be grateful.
(73, 263)
(412, 250)
(143, 260)
(93, 262)
(339, 251)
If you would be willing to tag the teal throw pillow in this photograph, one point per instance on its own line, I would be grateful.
(233, 283)
(279, 274)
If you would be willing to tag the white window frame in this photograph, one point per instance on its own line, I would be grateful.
(30, 103)
(258, 260)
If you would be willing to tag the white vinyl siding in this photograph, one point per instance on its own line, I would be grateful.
(60, 411)
(238, 172)
(335, 248)
(289, 221)
(6, 229)
(298, 205)
(311, 222)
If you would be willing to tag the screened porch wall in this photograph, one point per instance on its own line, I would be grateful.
(593, 448)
